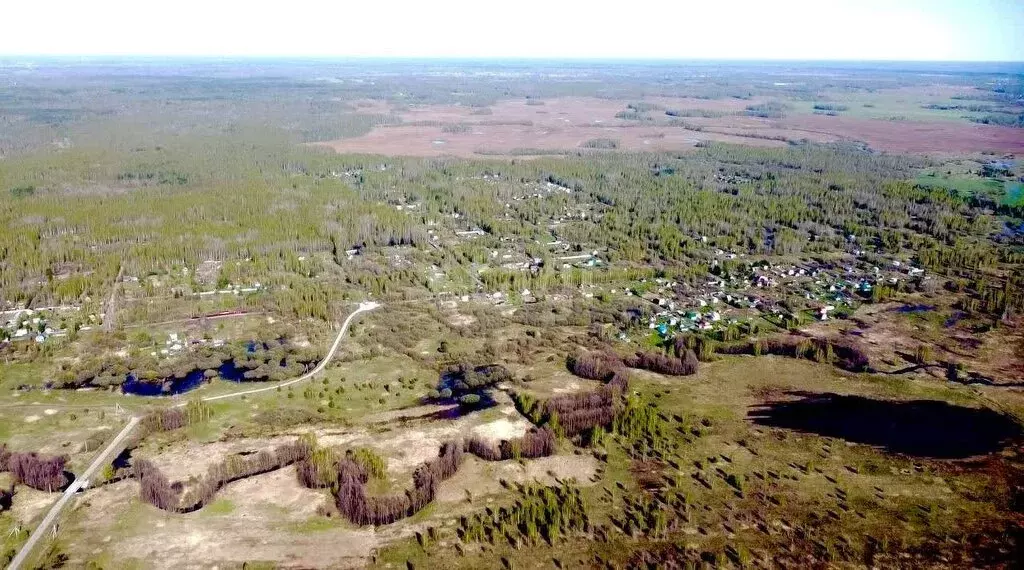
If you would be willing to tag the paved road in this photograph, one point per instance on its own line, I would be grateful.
(104, 457)
(80, 482)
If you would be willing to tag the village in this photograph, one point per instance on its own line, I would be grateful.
(740, 290)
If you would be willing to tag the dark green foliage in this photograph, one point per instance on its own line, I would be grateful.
(834, 107)
(469, 400)
(463, 379)
(645, 432)
(539, 514)
(845, 354)
(375, 465)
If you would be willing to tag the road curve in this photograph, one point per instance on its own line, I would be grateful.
(103, 458)
(82, 481)
(363, 308)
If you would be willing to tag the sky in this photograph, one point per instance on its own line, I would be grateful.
(938, 30)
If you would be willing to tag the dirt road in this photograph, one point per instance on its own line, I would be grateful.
(105, 457)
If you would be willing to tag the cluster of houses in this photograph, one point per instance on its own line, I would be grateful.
(540, 191)
(39, 324)
(233, 289)
(174, 344)
(727, 299)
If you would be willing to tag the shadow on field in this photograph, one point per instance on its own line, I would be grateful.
(922, 428)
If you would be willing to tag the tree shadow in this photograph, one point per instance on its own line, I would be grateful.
(921, 428)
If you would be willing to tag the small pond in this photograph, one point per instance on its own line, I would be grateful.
(175, 385)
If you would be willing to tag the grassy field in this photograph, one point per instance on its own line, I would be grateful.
(752, 488)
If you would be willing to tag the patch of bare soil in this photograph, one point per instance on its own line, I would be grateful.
(265, 523)
(461, 320)
(180, 462)
(407, 448)
(277, 491)
(411, 413)
(404, 446)
(477, 478)
(503, 428)
(29, 504)
(891, 341)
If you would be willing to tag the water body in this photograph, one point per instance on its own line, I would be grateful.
(168, 387)
(175, 385)
(1012, 230)
(915, 308)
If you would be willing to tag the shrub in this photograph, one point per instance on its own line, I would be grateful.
(42, 472)
(357, 507)
(469, 400)
(844, 354)
(601, 143)
(662, 364)
(319, 470)
(581, 421)
(374, 464)
(769, 110)
(536, 443)
(154, 488)
(594, 365)
(483, 449)
(567, 403)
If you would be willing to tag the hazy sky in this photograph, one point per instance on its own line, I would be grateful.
(727, 29)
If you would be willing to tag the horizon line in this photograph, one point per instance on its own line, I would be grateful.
(605, 59)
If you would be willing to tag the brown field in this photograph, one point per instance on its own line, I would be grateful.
(913, 136)
(891, 337)
(511, 139)
(557, 126)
